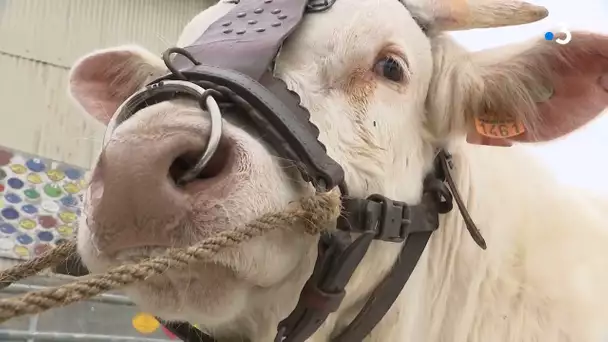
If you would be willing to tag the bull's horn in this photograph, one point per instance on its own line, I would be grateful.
(454, 15)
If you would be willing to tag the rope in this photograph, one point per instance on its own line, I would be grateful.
(34, 266)
(315, 213)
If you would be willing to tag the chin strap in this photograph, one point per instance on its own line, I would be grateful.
(373, 218)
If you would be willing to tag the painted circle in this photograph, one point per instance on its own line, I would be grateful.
(46, 236)
(73, 174)
(2, 174)
(34, 178)
(68, 217)
(12, 198)
(50, 206)
(29, 209)
(24, 239)
(7, 228)
(31, 194)
(145, 323)
(71, 188)
(40, 248)
(52, 190)
(549, 36)
(10, 213)
(27, 224)
(15, 183)
(18, 169)
(2, 188)
(22, 251)
(35, 165)
(69, 201)
(55, 175)
(6, 245)
(47, 221)
(65, 230)
(5, 157)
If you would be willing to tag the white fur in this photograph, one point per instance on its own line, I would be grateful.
(542, 278)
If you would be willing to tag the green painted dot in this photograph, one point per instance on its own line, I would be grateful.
(52, 191)
(2, 174)
(31, 194)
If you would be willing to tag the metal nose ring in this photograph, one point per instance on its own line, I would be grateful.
(215, 135)
(170, 89)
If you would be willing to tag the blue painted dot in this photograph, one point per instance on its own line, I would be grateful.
(24, 239)
(12, 198)
(72, 174)
(29, 209)
(69, 201)
(9, 213)
(45, 236)
(549, 36)
(15, 183)
(7, 228)
(35, 165)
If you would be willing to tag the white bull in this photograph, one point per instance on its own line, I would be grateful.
(384, 95)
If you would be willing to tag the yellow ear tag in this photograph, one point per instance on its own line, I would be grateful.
(491, 126)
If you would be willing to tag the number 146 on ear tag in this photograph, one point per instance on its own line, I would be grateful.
(491, 127)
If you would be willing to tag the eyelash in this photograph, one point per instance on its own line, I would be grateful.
(392, 68)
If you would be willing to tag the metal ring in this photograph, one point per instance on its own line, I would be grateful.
(169, 63)
(215, 134)
(159, 91)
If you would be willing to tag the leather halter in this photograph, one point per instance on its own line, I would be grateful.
(233, 60)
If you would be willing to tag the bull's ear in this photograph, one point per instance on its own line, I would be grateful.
(102, 80)
(541, 88)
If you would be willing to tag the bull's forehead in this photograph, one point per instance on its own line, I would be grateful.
(357, 30)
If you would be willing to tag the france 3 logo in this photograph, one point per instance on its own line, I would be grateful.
(562, 37)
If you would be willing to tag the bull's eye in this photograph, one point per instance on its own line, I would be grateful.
(389, 68)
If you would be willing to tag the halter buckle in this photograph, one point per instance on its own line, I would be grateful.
(393, 219)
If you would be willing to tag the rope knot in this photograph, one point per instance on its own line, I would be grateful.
(320, 211)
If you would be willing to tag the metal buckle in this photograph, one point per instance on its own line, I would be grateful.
(314, 6)
(393, 220)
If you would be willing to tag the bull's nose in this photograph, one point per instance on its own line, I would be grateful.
(135, 198)
(161, 157)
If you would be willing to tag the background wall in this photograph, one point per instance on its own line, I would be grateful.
(39, 41)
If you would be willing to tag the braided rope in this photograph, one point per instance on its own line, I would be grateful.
(315, 213)
(34, 266)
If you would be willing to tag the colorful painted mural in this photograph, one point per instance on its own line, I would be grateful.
(40, 201)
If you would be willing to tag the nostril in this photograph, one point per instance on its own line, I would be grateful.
(186, 161)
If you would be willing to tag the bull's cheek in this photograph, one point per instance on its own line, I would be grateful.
(202, 292)
(270, 259)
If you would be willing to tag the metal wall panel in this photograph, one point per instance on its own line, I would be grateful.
(40, 39)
